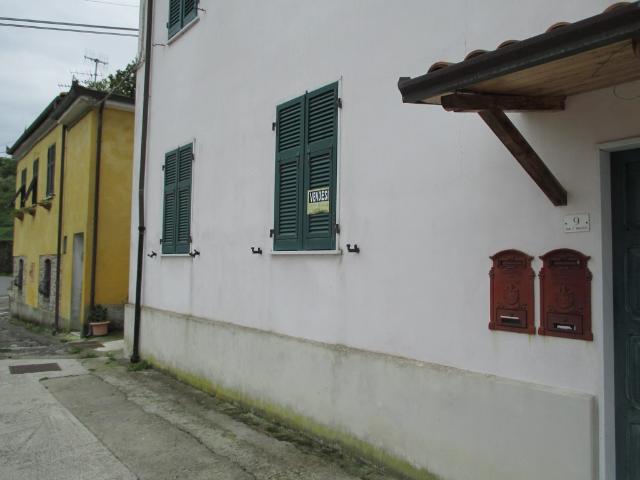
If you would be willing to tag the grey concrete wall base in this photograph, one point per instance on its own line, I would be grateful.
(456, 424)
(26, 312)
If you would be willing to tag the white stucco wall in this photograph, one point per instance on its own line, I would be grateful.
(427, 195)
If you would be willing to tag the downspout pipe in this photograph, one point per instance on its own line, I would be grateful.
(96, 205)
(135, 356)
(56, 321)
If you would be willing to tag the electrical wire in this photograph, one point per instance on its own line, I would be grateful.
(114, 3)
(49, 22)
(68, 30)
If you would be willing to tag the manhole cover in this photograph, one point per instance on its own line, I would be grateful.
(34, 368)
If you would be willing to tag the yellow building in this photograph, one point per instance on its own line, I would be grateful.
(73, 210)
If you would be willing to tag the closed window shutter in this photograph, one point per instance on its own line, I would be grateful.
(34, 188)
(170, 201)
(320, 165)
(190, 11)
(288, 188)
(174, 24)
(51, 162)
(183, 217)
(23, 188)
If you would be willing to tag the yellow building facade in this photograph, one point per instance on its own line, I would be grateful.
(73, 210)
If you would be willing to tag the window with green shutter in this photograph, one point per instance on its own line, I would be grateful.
(34, 188)
(51, 170)
(176, 212)
(23, 188)
(305, 177)
(181, 12)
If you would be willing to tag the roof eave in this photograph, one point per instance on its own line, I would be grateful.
(56, 110)
(598, 31)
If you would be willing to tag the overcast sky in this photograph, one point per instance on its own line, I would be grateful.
(34, 62)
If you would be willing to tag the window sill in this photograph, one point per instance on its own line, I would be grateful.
(305, 252)
(183, 30)
(174, 255)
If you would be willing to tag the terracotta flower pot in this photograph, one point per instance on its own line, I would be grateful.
(99, 329)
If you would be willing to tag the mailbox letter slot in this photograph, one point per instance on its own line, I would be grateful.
(565, 295)
(512, 292)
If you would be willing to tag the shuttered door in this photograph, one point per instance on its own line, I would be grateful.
(190, 11)
(169, 216)
(320, 165)
(174, 24)
(183, 215)
(288, 188)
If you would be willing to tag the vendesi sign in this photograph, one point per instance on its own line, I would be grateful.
(318, 200)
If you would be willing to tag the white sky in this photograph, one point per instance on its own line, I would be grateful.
(34, 62)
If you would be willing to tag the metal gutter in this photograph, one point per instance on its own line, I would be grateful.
(96, 205)
(135, 356)
(619, 24)
(56, 322)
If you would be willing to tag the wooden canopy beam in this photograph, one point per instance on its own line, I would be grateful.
(509, 135)
(476, 102)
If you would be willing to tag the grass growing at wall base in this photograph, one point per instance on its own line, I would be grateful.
(299, 422)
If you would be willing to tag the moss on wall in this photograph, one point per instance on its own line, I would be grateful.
(300, 422)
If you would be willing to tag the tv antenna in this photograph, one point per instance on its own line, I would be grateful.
(96, 61)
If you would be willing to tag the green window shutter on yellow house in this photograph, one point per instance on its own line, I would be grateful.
(34, 188)
(51, 164)
(176, 216)
(306, 143)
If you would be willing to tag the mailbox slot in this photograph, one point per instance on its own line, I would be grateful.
(512, 318)
(565, 323)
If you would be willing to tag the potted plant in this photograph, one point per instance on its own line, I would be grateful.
(98, 323)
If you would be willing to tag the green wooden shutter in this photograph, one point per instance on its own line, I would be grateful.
(23, 187)
(190, 11)
(34, 189)
(288, 188)
(51, 162)
(183, 210)
(174, 24)
(170, 202)
(320, 165)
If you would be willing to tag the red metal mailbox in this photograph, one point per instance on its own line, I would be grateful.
(565, 295)
(512, 292)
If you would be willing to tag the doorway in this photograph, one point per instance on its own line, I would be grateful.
(625, 188)
(77, 270)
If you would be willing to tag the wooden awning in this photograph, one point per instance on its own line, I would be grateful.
(534, 75)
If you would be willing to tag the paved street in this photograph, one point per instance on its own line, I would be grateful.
(94, 418)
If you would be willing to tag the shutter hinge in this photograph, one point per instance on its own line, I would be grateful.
(272, 232)
(160, 241)
(339, 102)
(190, 239)
(336, 228)
(273, 126)
(163, 168)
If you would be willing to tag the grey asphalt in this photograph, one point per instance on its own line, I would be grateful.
(96, 419)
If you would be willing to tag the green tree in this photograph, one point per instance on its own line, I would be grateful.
(123, 82)
(7, 191)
